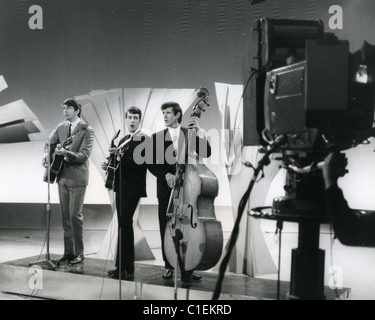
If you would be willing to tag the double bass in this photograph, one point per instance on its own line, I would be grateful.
(193, 237)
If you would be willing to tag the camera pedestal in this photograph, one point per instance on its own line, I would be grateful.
(307, 267)
(307, 273)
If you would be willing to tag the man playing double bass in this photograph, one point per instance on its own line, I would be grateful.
(169, 147)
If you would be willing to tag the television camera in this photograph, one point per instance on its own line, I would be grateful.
(303, 84)
(305, 95)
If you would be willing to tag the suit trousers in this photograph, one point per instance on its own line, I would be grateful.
(163, 220)
(71, 205)
(126, 206)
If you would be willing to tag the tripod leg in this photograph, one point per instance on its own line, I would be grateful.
(119, 258)
(175, 279)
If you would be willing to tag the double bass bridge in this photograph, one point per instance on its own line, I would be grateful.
(184, 214)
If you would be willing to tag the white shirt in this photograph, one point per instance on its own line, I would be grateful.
(74, 125)
(175, 134)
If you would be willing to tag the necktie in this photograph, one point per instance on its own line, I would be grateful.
(70, 130)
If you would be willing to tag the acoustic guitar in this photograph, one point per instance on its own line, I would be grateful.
(112, 165)
(56, 163)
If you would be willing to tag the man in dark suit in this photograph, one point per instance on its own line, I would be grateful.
(130, 186)
(74, 177)
(170, 147)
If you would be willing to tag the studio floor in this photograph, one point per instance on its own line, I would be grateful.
(20, 244)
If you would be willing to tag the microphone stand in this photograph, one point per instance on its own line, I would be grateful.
(176, 239)
(264, 161)
(47, 264)
(176, 271)
(119, 249)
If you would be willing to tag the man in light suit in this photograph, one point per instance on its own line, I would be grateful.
(73, 178)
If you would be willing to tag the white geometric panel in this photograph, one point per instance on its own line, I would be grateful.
(229, 99)
(14, 112)
(250, 245)
(3, 84)
(21, 173)
(114, 101)
(19, 124)
(230, 105)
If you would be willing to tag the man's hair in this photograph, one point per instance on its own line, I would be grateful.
(176, 108)
(72, 103)
(134, 110)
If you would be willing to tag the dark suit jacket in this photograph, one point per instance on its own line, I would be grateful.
(75, 170)
(351, 227)
(164, 159)
(132, 170)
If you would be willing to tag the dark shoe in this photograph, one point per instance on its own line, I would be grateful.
(186, 285)
(128, 276)
(114, 274)
(168, 274)
(196, 277)
(124, 275)
(78, 259)
(110, 272)
(188, 277)
(66, 258)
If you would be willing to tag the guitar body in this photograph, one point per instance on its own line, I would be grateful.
(112, 166)
(111, 172)
(56, 164)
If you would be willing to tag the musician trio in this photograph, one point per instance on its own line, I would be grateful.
(166, 155)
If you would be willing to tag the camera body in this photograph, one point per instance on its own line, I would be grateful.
(303, 83)
(304, 80)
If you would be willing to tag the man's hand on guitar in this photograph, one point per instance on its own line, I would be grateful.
(45, 161)
(113, 151)
(105, 165)
(61, 151)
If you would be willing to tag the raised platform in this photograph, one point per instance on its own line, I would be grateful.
(89, 281)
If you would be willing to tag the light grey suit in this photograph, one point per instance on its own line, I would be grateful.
(72, 182)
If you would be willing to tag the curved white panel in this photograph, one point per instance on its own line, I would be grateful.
(22, 173)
